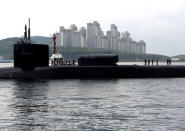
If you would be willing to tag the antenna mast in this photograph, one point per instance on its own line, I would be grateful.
(29, 30)
(54, 43)
(25, 32)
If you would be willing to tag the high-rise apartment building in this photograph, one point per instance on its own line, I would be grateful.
(82, 36)
(114, 37)
(108, 35)
(93, 37)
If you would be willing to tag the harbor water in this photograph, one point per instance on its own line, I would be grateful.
(113, 104)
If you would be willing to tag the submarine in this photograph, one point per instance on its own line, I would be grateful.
(31, 61)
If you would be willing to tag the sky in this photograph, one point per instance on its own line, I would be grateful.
(160, 23)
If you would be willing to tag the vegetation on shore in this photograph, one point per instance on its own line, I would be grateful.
(73, 53)
(6, 50)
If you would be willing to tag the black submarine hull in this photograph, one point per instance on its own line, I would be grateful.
(94, 72)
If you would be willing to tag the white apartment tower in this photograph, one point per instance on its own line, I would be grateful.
(93, 37)
(114, 37)
(108, 35)
(82, 36)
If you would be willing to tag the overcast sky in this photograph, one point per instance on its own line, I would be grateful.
(161, 23)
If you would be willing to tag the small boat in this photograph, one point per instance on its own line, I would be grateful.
(56, 59)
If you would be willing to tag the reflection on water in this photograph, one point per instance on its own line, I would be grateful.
(26, 102)
(140, 104)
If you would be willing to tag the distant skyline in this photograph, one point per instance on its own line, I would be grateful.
(93, 37)
(158, 22)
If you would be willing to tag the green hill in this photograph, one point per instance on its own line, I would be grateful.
(179, 56)
(6, 50)
(41, 39)
(6, 45)
(73, 53)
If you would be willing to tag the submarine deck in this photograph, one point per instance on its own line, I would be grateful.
(95, 72)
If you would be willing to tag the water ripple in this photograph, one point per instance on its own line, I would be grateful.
(122, 104)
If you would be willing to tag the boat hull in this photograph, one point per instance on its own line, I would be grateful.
(94, 72)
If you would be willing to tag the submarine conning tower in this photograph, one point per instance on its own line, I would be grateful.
(28, 56)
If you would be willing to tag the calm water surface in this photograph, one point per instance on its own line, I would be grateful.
(117, 104)
(133, 104)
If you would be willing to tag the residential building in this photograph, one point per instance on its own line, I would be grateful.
(93, 37)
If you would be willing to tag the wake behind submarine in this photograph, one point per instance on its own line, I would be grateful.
(31, 61)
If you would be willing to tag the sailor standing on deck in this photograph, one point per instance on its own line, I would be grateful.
(152, 61)
(145, 62)
(148, 61)
(168, 61)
